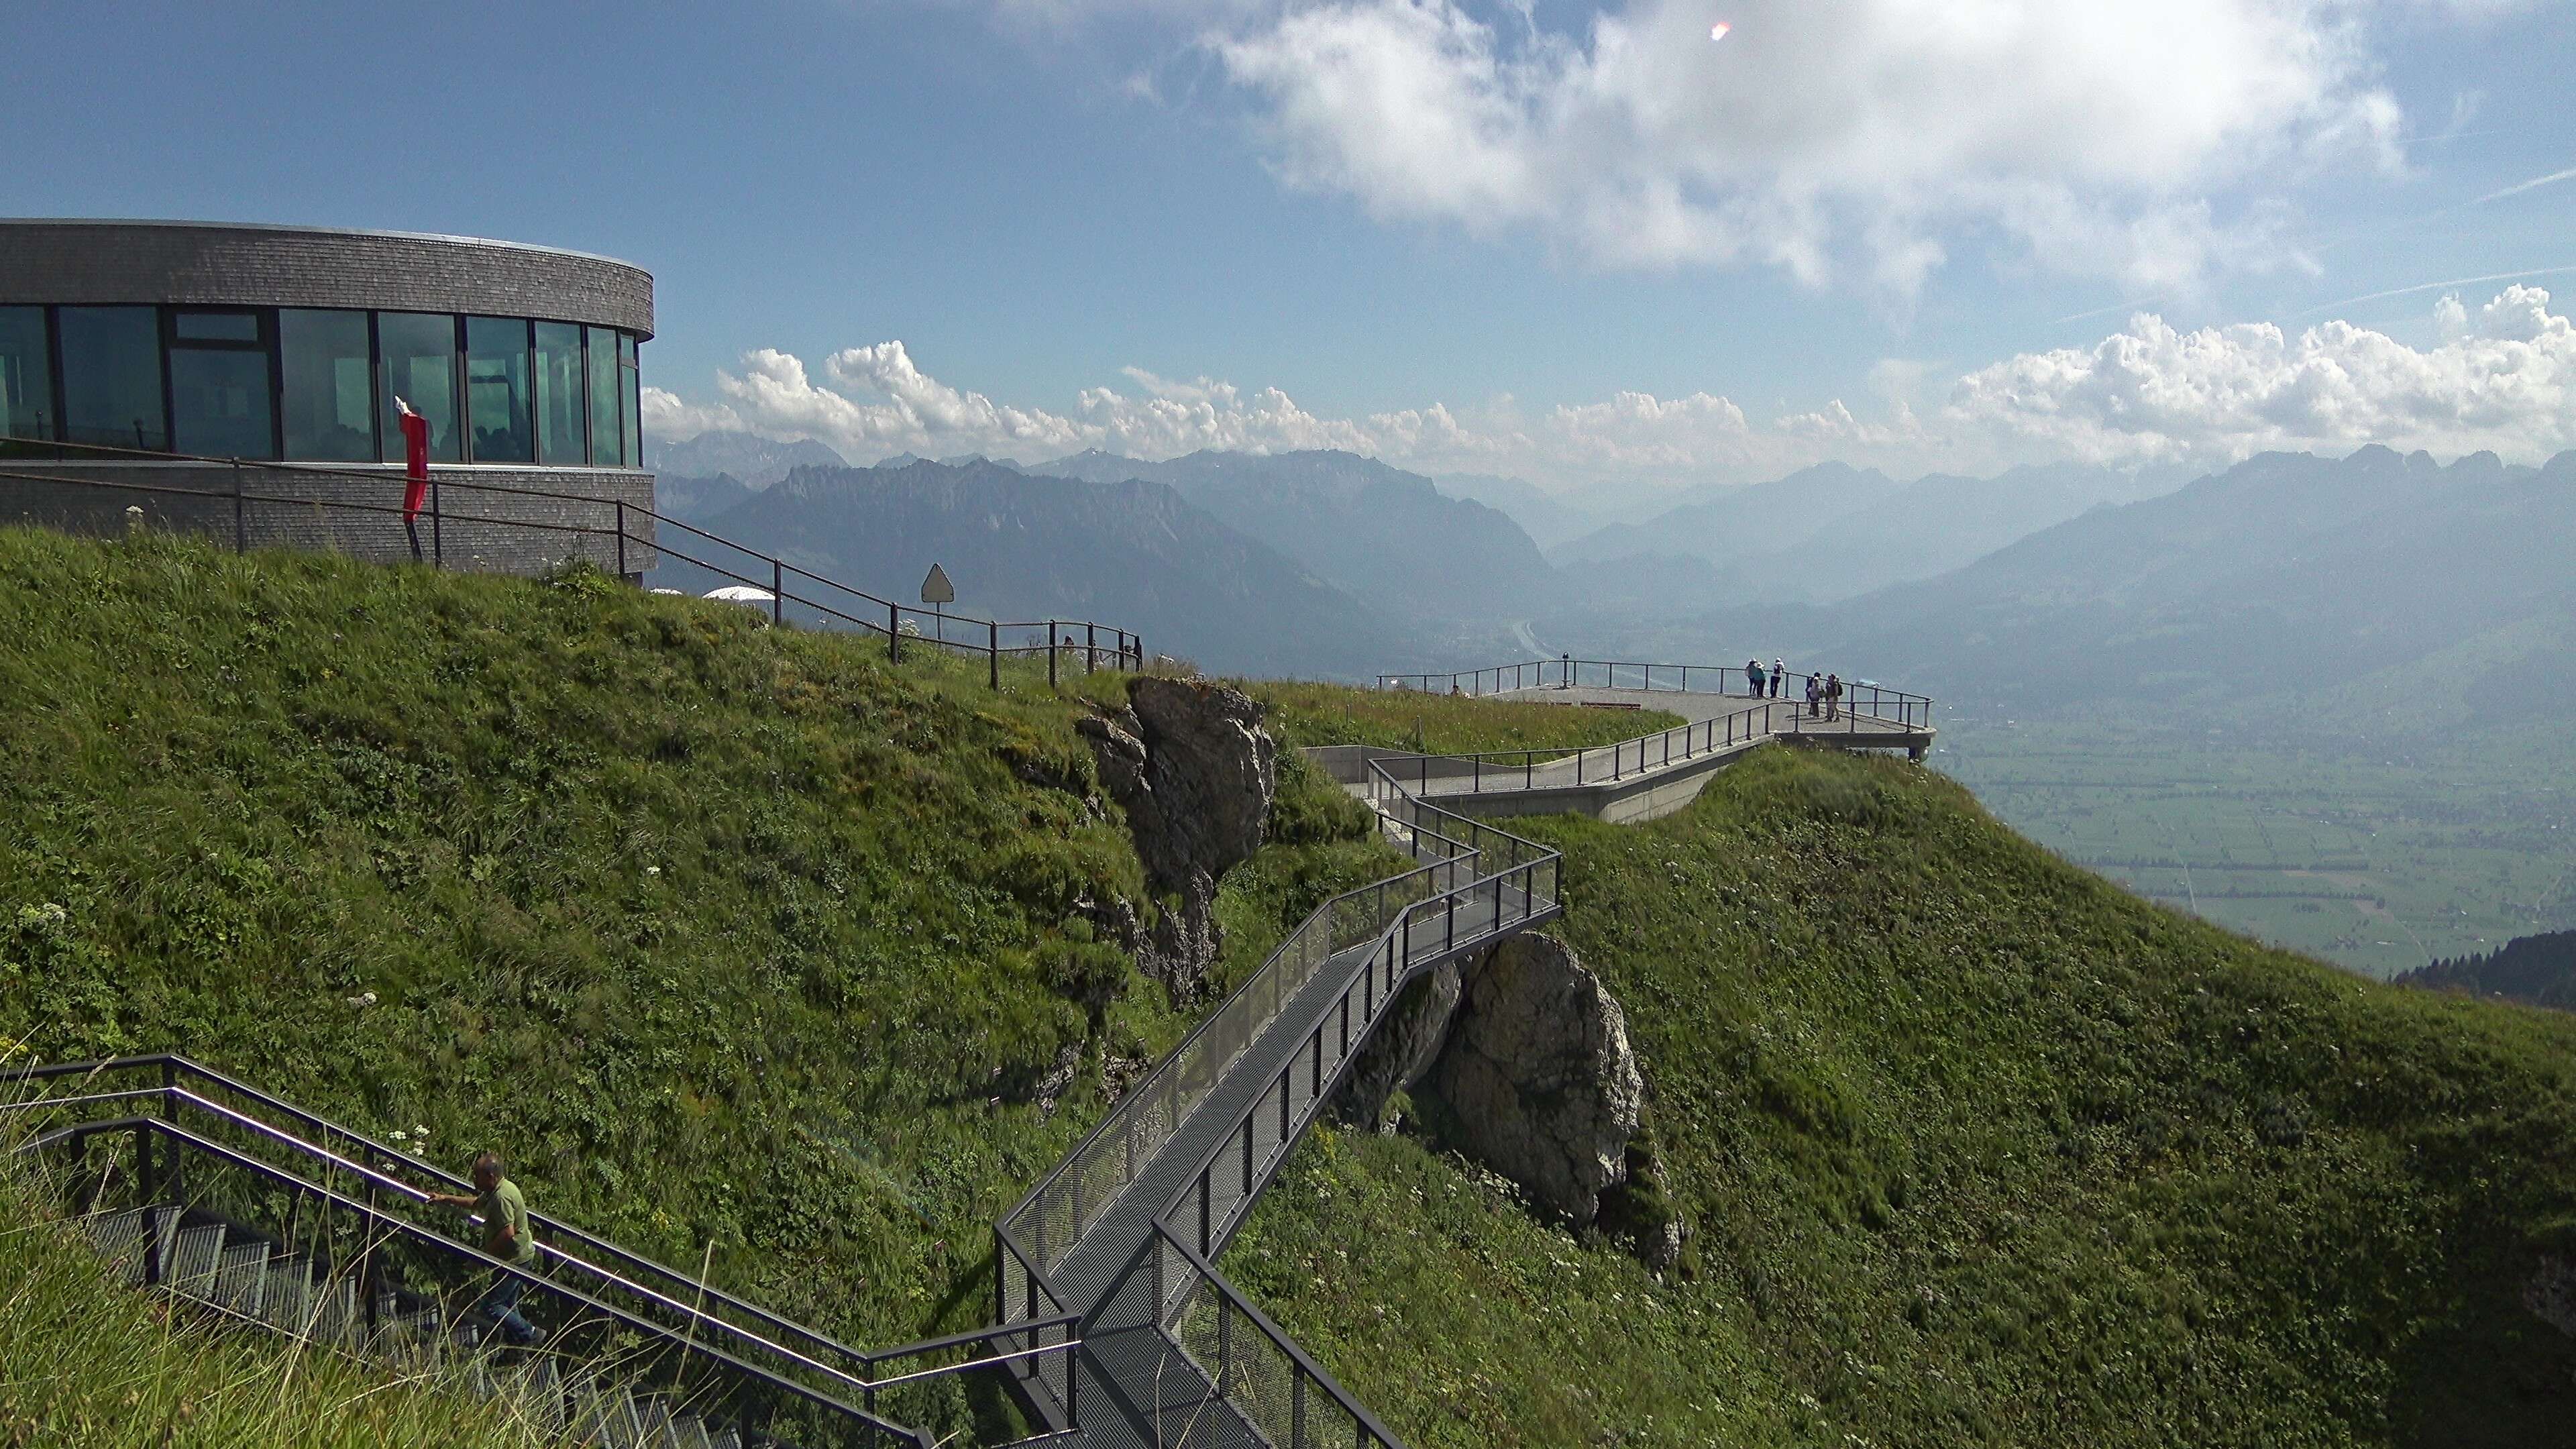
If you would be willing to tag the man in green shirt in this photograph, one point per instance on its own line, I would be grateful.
(505, 1236)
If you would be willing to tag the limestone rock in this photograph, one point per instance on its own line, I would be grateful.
(1191, 765)
(1403, 1047)
(1539, 1075)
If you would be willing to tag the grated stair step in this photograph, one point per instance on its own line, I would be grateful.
(240, 1276)
(122, 1238)
(194, 1260)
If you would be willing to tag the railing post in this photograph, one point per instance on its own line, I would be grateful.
(151, 1178)
(1050, 653)
(437, 526)
(993, 653)
(1090, 647)
(1224, 1342)
(894, 632)
(621, 538)
(241, 521)
(777, 592)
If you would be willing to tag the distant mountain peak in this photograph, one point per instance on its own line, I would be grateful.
(755, 460)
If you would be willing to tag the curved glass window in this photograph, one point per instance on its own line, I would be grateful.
(318, 384)
(219, 389)
(26, 380)
(419, 352)
(607, 432)
(563, 437)
(630, 392)
(112, 376)
(329, 401)
(499, 402)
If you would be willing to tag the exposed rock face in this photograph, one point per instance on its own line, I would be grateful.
(1540, 1077)
(1404, 1047)
(1195, 772)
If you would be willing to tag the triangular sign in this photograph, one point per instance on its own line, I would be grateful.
(936, 589)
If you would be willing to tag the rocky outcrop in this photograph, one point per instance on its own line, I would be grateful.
(1194, 770)
(1404, 1047)
(1538, 1075)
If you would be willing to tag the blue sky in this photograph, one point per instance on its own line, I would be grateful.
(1579, 243)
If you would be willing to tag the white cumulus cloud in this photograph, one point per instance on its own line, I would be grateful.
(1828, 136)
(2504, 381)
(2502, 377)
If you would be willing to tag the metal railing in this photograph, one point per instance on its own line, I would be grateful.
(625, 533)
(1522, 770)
(1252, 1364)
(352, 1202)
(1461, 855)
(1476, 882)
(1894, 705)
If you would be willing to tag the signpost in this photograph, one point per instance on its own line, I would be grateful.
(935, 591)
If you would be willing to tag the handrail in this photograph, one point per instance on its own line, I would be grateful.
(1367, 1430)
(1098, 640)
(161, 1127)
(174, 1062)
(1162, 1084)
(864, 1382)
(1568, 672)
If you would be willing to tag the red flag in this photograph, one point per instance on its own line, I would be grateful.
(415, 431)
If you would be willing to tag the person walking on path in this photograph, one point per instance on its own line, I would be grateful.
(1753, 676)
(1833, 696)
(1779, 671)
(505, 1236)
(1815, 695)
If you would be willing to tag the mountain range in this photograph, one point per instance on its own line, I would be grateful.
(751, 460)
(2287, 573)
(1131, 553)
(1457, 571)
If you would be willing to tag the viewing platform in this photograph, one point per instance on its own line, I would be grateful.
(1635, 779)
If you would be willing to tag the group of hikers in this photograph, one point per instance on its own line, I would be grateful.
(1824, 691)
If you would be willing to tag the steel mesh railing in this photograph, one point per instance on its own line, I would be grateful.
(1894, 705)
(1256, 1373)
(1048, 1224)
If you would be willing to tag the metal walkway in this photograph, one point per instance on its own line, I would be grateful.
(1124, 1233)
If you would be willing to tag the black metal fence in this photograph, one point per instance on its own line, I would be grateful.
(209, 1149)
(243, 500)
(1896, 706)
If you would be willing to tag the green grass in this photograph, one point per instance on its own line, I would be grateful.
(87, 1364)
(1329, 714)
(1977, 1149)
(732, 939)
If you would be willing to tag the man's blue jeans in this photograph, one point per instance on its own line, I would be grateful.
(499, 1306)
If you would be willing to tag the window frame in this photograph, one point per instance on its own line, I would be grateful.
(625, 364)
(465, 384)
(265, 340)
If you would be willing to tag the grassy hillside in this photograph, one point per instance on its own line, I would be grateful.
(727, 936)
(1978, 1150)
(730, 937)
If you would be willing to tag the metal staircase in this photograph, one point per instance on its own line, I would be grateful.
(1124, 1233)
(240, 1205)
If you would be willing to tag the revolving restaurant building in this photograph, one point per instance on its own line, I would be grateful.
(175, 344)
